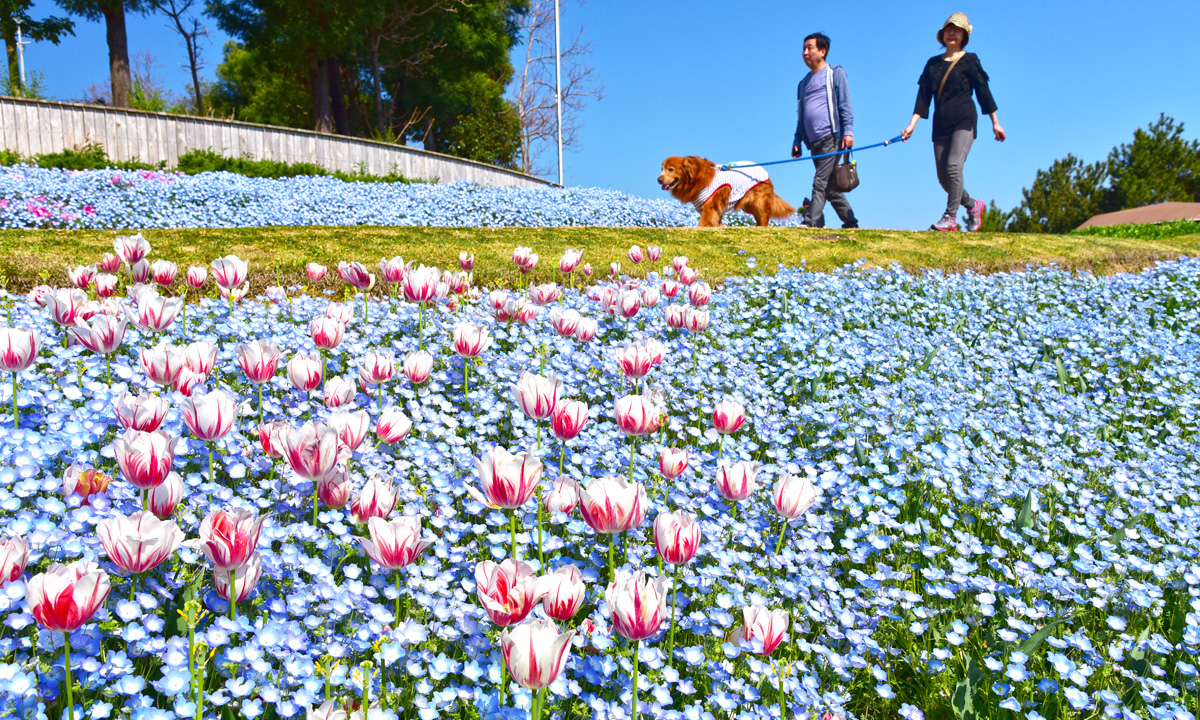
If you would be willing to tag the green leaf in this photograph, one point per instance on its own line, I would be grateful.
(1022, 336)
(1025, 517)
(860, 453)
(928, 359)
(1130, 524)
(963, 700)
(1030, 646)
(1062, 371)
(958, 325)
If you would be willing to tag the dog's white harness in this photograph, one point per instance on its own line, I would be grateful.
(739, 179)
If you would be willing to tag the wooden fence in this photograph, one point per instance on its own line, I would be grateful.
(34, 127)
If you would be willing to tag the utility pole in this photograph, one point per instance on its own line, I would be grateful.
(558, 90)
(21, 55)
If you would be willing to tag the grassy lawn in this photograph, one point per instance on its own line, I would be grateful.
(25, 255)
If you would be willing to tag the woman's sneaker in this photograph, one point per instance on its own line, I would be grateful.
(975, 215)
(947, 224)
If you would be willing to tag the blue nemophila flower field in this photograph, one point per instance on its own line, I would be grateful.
(1005, 522)
(33, 197)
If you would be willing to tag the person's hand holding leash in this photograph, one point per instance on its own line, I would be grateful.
(795, 151)
(847, 142)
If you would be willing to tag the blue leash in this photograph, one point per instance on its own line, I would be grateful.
(885, 143)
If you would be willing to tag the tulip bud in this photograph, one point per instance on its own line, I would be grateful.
(793, 495)
(164, 498)
(316, 271)
(243, 580)
(466, 261)
(677, 537)
(612, 505)
(569, 418)
(586, 330)
(334, 488)
(65, 597)
(728, 417)
(304, 371)
(376, 499)
(393, 426)
(738, 481)
(672, 462)
(637, 606)
(14, 556)
(507, 591)
(196, 275)
(562, 497)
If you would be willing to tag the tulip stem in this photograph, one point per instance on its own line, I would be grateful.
(539, 699)
(212, 468)
(15, 416)
(107, 370)
(778, 669)
(539, 525)
(379, 389)
(632, 449)
(503, 679)
(612, 573)
(721, 447)
(316, 493)
(674, 608)
(233, 594)
(636, 646)
(421, 325)
(512, 521)
(561, 454)
(397, 595)
(67, 668)
(466, 380)
(782, 533)
(260, 404)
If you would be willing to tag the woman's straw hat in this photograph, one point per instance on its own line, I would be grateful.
(957, 20)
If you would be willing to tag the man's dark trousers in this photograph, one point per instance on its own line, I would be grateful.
(823, 185)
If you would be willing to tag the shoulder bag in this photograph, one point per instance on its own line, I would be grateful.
(845, 176)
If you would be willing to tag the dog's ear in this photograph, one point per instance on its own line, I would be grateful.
(689, 166)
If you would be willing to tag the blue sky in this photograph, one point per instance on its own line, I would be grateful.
(718, 79)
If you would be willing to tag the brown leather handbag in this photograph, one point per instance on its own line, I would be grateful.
(845, 176)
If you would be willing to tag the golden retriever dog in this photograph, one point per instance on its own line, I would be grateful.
(715, 192)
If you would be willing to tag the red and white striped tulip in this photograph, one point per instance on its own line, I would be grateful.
(326, 332)
(653, 253)
(563, 592)
(311, 449)
(650, 296)
(587, 270)
(201, 356)
(614, 269)
(394, 544)
(304, 372)
(418, 366)
(145, 458)
(139, 542)
(131, 248)
(570, 416)
(392, 271)
(196, 276)
(497, 299)
(316, 271)
(259, 360)
(466, 261)
(507, 480)
(230, 271)
(688, 275)
(163, 500)
(81, 276)
(342, 312)
(139, 272)
(699, 294)
(84, 481)
(209, 416)
(244, 579)
(356, 274)
(108, 263)
(156, 313)
(376, 499)
(636, 360)
(65, 597)
(334, 488)
(272, 437)
(637, 606)
(564, 322)
(672, 462)
(536, 395)
(669, 288)
(392, 426)
(738, 481)
(635, 254)
(470, 340)
(163, 272)
(612, 505)
(14, 556)
(103, 336)
(676, 537)
(376, 367)
(525, 259)
(759, 623)
(18, 349)
(793, 495)
(679, 262)
(695, 319)
(105, 285)
(586, 330)
(339, 391)
(637, 414)
(228, 537)
(570, 260)
(627, 303)
(728, 417)
(143, 412)
(544, 294)
(535, 653)
(351, 427)
(66, 305)
(524, 312)
(420, 284)
(562, 497)
(234, 294)
(507, 590)
(162, 362)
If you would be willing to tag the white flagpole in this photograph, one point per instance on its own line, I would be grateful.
(558, 91)
(21, 55)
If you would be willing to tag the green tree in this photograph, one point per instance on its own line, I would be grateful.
(113, 14)
(995, 219)
(259, 86)
(491, 135)
(51, 29)
(1158, 166)
(1062, 197)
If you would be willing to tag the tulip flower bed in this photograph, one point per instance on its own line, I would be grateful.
(32, 197)
(861, 494)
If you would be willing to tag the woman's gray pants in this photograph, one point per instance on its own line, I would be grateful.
(950, 153)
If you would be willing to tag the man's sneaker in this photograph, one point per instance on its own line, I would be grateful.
(946, 224)
(975, 215)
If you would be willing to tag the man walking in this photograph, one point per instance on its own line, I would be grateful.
(825, 125)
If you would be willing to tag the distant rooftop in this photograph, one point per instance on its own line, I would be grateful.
(1160, 212)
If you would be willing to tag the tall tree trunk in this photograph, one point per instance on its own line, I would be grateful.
(118, 53)
(9, 30)
(337, 97)
(193, 61)
(318, 84)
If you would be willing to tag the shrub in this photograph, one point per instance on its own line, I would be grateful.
(198, 161)
(1144, 231)
(91, 157)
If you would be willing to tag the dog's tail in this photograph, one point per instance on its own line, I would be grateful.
(780, 208)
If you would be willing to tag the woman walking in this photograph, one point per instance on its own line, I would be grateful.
(948, 80)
